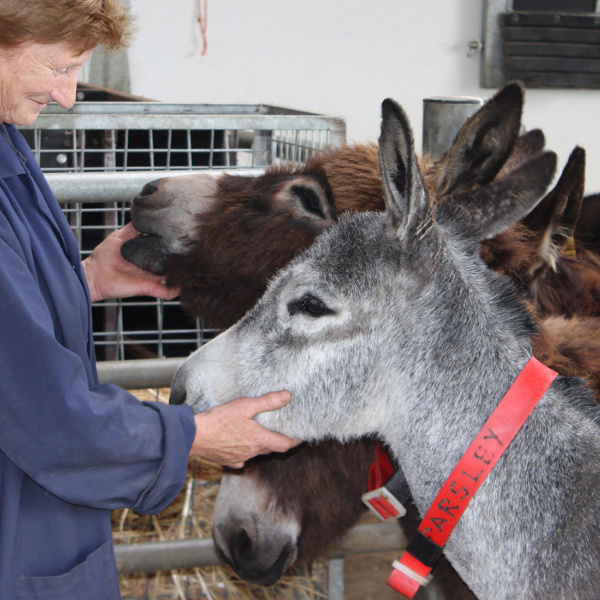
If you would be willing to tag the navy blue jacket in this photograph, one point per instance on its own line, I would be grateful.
(70, 449)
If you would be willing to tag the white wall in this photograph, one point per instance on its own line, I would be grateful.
(338, 57)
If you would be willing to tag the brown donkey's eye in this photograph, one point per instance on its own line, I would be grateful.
(310, 200)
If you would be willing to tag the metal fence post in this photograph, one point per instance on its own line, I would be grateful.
(335, 579)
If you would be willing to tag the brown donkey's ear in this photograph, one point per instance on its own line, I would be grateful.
(554, 219)
(482, 145)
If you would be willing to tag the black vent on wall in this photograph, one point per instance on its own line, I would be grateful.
(572, 6)
(557, 47)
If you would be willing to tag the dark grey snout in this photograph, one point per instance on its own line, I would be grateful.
(148, 189)
(148, 253)
(178, 395)
(162, 224)
(154, 196)
(187, 389)
(248, 564)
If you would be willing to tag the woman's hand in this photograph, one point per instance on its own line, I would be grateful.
(229, 435)
(110, 276)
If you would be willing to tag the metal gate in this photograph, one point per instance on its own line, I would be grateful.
(97, 155)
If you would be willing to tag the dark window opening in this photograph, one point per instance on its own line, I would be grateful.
(563, 6)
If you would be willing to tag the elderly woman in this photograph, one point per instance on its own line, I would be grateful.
(71, 449)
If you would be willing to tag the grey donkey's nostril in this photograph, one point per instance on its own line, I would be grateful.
(177, 395)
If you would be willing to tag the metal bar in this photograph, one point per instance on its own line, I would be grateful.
(335, 579)
(560, 6)
(536, 79)
(554, 49)
(165, 108)
(78, 153)
(377, 537)
(149, 115)
(140, 373)
(548, 34)
(118, 187)
(556, 65)
(149, 557)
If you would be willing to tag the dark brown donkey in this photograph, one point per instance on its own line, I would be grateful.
(222, 239)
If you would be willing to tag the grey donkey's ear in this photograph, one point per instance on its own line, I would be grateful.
(405, 197)
(482, 145)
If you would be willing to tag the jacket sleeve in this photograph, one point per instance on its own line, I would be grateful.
(95, 446)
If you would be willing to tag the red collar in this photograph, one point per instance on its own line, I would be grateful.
(425, 548)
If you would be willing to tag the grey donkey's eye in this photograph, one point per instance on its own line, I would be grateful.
(309, 305)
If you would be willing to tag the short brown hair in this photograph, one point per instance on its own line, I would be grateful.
(84, 24)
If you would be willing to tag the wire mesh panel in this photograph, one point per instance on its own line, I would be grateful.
(108, 139)
(126, 136)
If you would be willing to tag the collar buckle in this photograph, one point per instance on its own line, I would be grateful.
(383, 504)
(408, 576)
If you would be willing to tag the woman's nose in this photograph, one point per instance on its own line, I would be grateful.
(64, 93)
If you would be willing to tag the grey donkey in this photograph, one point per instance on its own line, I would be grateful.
(391, 324)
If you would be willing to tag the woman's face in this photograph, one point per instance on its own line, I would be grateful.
(33, 75)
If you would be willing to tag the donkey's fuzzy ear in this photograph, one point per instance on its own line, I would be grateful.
(482, 145)
(554, 219)
(527, 146)
(495, 207)
(405, 197)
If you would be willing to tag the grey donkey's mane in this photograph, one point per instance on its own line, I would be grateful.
(579, 396)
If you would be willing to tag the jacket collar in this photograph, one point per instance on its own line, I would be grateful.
(12, 159)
